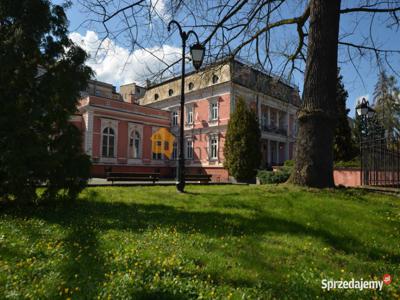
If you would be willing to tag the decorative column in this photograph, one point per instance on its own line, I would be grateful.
(277, 152)
(277, 118)
(287, 145)
(269, 150)
(269, 117)
(288, 130)
(88, 119)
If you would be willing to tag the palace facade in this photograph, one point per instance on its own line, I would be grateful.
(118, 127)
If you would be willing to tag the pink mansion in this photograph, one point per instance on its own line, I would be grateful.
(118, 127)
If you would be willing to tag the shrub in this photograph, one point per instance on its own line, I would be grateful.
(242, 144)
(280, 176)
(289, 163)
(354, 163)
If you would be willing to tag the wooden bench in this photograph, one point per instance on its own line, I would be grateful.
(125, 176)
(201, 178)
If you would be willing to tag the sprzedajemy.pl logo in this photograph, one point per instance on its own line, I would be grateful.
(356, 284)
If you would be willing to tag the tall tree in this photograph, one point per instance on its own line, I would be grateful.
(386, 103)
(257, 30)
(242, 143)
(344, 148)
(314, 155)
(42, 73)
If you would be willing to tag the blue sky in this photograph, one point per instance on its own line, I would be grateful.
(359, 79)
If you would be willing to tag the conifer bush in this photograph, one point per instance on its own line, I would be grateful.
(242, 144)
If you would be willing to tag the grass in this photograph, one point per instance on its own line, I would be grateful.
(215, 242)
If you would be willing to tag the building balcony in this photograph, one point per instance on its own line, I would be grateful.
(274, 129)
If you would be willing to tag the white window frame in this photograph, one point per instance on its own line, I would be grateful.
(132, 144)
(107, 136)
(189, 115)
(214, 109)
(132, 127)
(175, 151)
(175, 117)
(114, 125)
(264, 120)
(189, 142)
(212, 138)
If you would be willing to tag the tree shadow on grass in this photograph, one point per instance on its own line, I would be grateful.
(87, 216)
(83, 270)
(138, 217)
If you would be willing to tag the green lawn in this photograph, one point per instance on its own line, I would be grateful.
(215, 242)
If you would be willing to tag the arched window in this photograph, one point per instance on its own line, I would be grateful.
(191, 86)
(156, 96)
(215, 78)
(170, 92)
(108, 142)
(134, 144)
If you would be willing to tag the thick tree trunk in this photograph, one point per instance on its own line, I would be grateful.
(314, 150)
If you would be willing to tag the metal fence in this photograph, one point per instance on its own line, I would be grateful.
(380, 159)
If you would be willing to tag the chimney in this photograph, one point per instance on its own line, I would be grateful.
(132, 99)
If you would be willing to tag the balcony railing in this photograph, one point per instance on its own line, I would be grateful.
(274, 129)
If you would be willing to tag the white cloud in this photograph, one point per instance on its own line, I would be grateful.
(116, 65)
(359, 99)
(159, 9)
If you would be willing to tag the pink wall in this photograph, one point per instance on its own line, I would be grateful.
(147, 133)
(347, 177)
(201, 111)
(122, 142)
(96, 137)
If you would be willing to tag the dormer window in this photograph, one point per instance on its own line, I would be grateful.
(215, 79)
(170, 92)
(156, 96)
(191, 86)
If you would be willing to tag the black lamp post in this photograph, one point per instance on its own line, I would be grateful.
(365, 112)
(197, 53)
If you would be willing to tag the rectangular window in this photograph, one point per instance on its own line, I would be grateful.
(111, 147)
(213, 147)
(214, 111)
(104, 150)
(175, 118)
(264, 120)
(189, 115)
(189, 149)
(175, 152)
(273, 118)
(157, 155)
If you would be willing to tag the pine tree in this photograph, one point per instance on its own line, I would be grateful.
(42, 73)
(386, 103)
(344, 145)
(242, 143)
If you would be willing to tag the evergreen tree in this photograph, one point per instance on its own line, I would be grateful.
(344, 144)
(386, 103)
(42, 73)
(242, 143)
